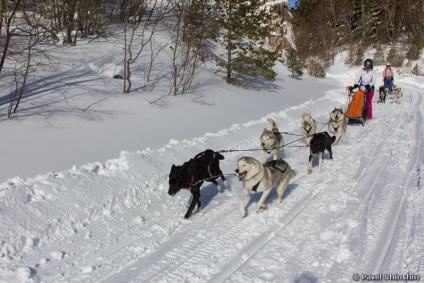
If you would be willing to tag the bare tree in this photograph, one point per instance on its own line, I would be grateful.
(28, 52)
(16, 97)
(192, 26)
(141, 20)
(10, 30)
(156, 47)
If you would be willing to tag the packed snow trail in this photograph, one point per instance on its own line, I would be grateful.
(115, 222)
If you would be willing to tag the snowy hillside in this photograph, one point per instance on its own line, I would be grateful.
(113, 220)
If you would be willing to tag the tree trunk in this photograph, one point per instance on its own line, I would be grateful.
(229, 56)
(128, 78)
(125, 54)
(25, 76)
(2, 5)
(8, 36)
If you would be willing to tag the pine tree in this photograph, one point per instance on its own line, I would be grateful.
(394, 58)
(365, 20)
(294, 65)
(303, 13)
(379, 56)
(359, 56)
(199, 24)
(416, 70)
(416, 46)
(243, 29)
(315, 68)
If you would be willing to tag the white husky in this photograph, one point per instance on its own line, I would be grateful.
(308, 126)
(337, 124)
(259, 177)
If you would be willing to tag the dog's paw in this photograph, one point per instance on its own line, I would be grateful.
(219, 187)
(243, 213)
(225, 183)
(277, 202)
(264, 205)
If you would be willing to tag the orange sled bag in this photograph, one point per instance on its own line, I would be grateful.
(354, 110)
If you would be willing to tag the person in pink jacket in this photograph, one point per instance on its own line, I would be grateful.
(388, 76)
(366, 81)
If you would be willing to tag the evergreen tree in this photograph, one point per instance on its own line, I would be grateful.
(394, 58)
(322, 26)
(359, 56)
(243, 29)
(416, 70)
(379, 56)
(199, 23)
(294, 64)
(303, 13)
(315, 68)
(416, 46)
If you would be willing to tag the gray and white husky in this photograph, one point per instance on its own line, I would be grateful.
(271, 141)
(308, 126)
(337, 124)
(397, 92)
(258, 177)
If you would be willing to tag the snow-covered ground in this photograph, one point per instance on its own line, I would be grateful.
(109, 218)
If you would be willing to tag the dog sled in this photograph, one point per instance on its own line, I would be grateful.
(356, 110)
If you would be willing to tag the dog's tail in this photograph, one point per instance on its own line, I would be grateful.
(273, 124)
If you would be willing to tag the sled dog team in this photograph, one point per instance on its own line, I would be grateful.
(257, 176)
(395, 91)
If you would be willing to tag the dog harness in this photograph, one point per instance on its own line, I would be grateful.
(307, 131)
(255, 187)
(192, 163)
(336, 129)
(310, 128)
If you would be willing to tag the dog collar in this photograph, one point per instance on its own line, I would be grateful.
(189, 184)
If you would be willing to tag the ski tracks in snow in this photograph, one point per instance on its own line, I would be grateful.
(345, 220)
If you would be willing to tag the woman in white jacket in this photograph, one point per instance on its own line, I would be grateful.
(366, 81)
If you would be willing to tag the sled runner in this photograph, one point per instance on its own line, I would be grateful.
(356, 109)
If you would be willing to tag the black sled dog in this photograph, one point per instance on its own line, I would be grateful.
(319, 143)
(191, 175)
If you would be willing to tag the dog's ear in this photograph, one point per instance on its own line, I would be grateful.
(265, 130)
(172, 170)
(249, 160)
